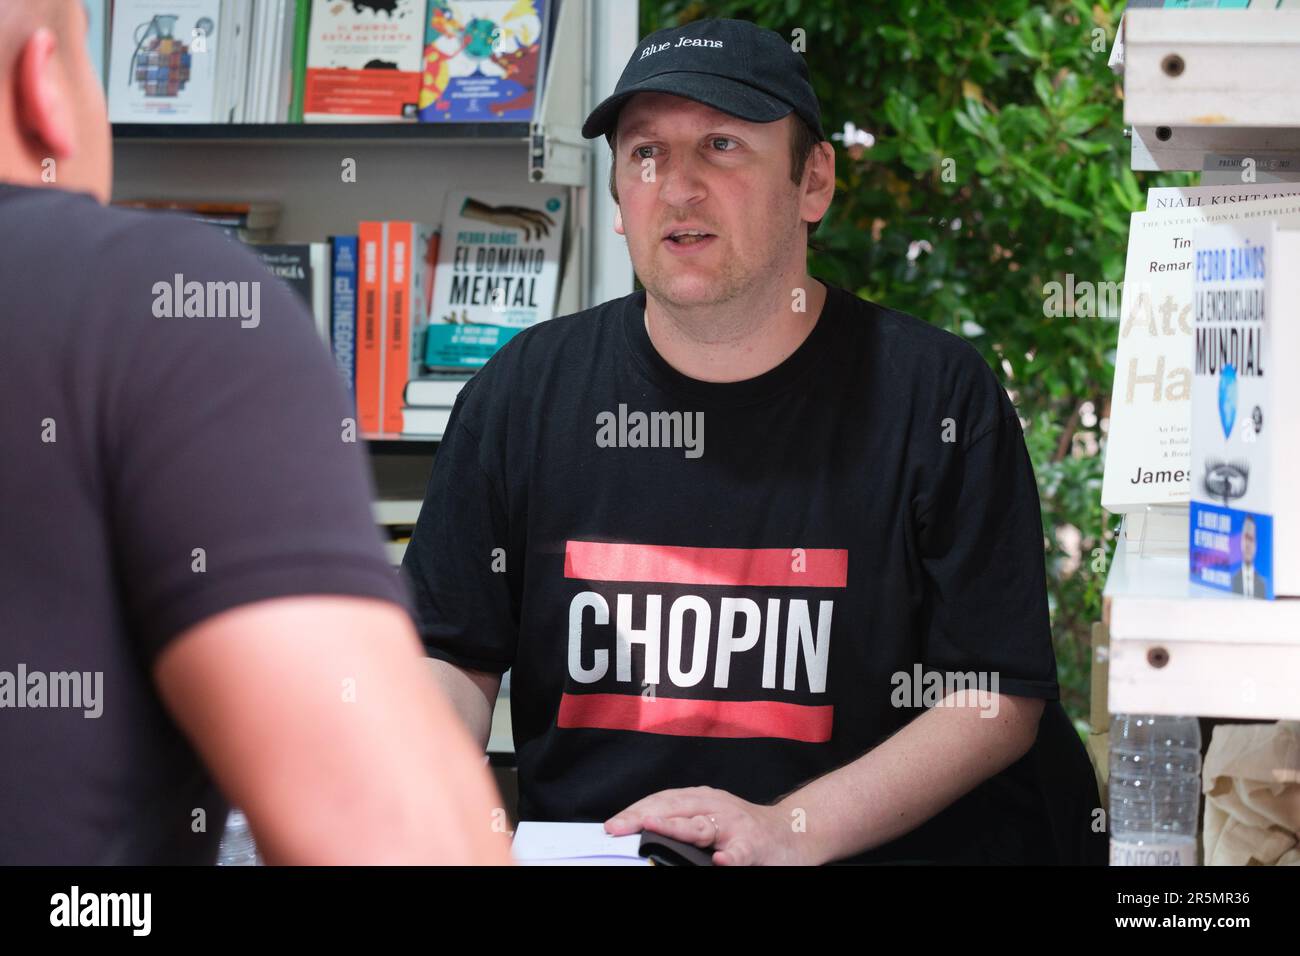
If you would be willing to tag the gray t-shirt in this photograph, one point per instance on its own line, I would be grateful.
(154, 471)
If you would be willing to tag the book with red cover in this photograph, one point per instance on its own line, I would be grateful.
(364, 61)
(412, 254)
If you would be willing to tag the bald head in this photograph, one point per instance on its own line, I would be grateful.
(53, 119)
(19, 19)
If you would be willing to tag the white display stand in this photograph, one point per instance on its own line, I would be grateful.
(1179, 648)
(1200, 82)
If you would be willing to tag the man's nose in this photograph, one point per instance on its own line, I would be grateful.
(681, 183)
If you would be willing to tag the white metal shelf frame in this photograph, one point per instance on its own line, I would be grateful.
(1200, 82)
(1179, 648)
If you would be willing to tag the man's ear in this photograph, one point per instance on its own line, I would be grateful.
(618, 220)
(821, 182)
(41, 92)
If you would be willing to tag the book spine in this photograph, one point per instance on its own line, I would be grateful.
(239, 74)
(370, 322)
(1283, 336)
(222, 78)
(302, 33)
(401, 313)
(272, 78)
(344, 308)
(320, 289)
(256, 54)
(284, 78)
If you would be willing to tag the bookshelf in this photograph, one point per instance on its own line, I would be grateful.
(1200, 84)
(403, 170)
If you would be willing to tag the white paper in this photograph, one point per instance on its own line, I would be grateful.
(574, 844)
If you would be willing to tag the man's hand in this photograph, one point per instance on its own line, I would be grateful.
(741, 833)
(941, 755)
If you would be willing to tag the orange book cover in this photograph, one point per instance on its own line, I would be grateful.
(371, 285)
(412, 255)
(400, 311)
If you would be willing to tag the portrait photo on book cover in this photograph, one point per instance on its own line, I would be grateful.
(1232, 550)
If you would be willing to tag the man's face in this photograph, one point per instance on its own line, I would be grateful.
(681, 164)
(1248, 542)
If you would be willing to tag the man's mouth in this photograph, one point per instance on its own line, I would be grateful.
(688, 237)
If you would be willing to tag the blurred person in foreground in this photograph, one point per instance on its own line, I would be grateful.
(196, 607)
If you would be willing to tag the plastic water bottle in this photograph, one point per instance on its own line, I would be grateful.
(237, 847)
(1155, 790)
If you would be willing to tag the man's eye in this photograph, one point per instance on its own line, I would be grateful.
(639, 154)
(723, 139)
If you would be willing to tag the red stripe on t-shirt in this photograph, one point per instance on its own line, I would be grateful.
(697, 718)
(668, 564)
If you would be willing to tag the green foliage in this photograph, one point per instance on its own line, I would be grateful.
(999, 143)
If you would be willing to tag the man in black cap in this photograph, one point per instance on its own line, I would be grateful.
(823, 633)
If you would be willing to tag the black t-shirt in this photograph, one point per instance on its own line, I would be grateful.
(156, 471)
(727, 592)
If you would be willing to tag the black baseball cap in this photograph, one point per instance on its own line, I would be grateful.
(734, 66)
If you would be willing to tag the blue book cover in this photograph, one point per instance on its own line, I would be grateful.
(343, 318)
(482, 60)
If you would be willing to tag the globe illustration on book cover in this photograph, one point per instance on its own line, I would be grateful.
(480, 60)
(480, 37)
(1228, 399)
(160, 64)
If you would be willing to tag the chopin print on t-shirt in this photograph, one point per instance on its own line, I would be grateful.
(701, 642)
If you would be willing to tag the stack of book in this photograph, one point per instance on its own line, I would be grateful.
(428, 403)
(1199, 413)
(434, 306)
(409, 310)
(325, 61)
(246, 221)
